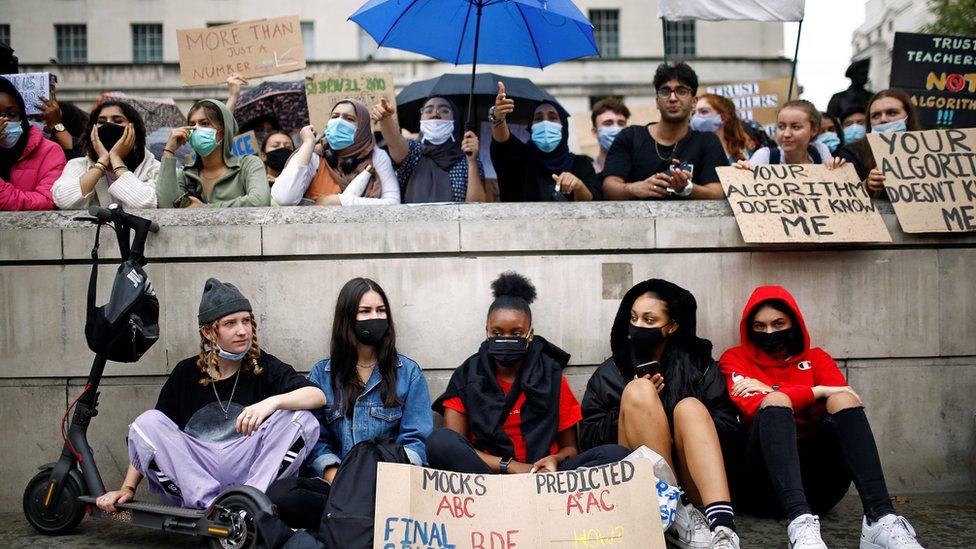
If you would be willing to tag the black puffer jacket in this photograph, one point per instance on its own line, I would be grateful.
(690, 374)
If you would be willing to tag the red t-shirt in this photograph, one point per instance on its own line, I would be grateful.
(570, 414)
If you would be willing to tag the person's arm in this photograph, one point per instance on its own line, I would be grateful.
(600, 417)
(39, 198)
(303, 398)
(68, 190)
(107, 501)
(137, 191)
(293, 181)
(51, 113)
(617, 166)
(475, 191)
(170, 182)
(257, 192)
(458, 422)
(234, 83)
(322, 458)
(708, 186)
(384, 114)
(732, 369)
(417, 421)
(390, 188)
(503, 107)
(566, 442)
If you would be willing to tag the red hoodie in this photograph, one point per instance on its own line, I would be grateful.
(796, 376)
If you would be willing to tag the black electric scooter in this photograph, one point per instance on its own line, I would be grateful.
(59, 496)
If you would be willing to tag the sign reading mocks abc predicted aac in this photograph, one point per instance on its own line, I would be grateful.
(250, 48)
(613, 505)
(930, 178)
(801, 203)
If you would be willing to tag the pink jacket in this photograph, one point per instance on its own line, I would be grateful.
(29, 186)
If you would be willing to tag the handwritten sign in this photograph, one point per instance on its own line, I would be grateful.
(251, 48)
(324, 90)
(939, 73)
(245, 144)
(930, 178)
(426, 508)
(32, 87)
(757, 100)
(801, 203)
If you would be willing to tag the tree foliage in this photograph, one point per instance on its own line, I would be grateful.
(956, 17)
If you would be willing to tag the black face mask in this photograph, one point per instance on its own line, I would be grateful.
(643, 341)
(109, 134)
(372, 331)
(773, 342)
(277, 158)
(507, 351)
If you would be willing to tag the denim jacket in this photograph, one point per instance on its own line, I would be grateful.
(409, 423)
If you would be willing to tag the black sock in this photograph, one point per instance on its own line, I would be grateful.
(863, 463)
(777, 436)
(720, 513)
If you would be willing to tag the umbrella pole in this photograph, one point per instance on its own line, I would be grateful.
(469, 125)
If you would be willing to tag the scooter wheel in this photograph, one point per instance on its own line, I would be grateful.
(63, 515)
(243, 509)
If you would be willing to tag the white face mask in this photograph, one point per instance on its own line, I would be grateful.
(226, 355)
(436, 132)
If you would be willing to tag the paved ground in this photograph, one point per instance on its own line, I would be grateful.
(943, 521)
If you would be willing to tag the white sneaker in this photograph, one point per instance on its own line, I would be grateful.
(804, 533)
(889, 532)
(690, 529)
(724, 538)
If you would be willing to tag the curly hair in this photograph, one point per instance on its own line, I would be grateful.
(207, 359)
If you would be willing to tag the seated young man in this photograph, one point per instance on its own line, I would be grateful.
(234, 414)
(667, 159)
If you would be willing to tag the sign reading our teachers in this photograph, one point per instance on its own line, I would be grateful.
(250, 48)
(613, 505)
(939, 73)
(801, 203)
(323, 91)
(930, 178)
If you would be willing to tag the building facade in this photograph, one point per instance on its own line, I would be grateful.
(875, 38)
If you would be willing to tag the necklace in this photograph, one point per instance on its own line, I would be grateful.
(234, 388)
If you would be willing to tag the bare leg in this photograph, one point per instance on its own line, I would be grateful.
(642, 420)
(701, 468)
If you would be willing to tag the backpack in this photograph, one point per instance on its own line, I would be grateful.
(126, 327)
(776, 158)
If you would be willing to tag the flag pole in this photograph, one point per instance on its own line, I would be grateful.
(796, 53)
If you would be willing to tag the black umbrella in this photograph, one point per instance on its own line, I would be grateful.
(283, 102)
(456, 87)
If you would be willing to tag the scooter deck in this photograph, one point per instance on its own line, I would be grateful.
(158, 508)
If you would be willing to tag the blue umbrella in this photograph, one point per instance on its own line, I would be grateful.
(528, 33)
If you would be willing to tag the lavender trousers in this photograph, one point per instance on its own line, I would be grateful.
(189, 472)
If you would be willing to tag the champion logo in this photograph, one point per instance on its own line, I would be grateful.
(736, 376)
(805, 365)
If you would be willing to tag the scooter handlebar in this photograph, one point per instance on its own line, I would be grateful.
(105, 216)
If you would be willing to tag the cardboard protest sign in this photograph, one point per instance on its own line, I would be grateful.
(324, 90)
(930, 178)
(939, 73)
(251, 48)
(640, 115)
(32, 87)
(615, 504)
(758, 100)
(801, 203)
(245, 144)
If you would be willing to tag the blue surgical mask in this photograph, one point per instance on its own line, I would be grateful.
(854, 132)
(606, 135)
(231, 356)
(203, 141)
(546, 135)
(888, 127)
(340, 133)
(11, 135)
(830, 139)
(706, 123)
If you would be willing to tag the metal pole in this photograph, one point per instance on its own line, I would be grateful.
(469, 125)
(664, 31)
(796, 53)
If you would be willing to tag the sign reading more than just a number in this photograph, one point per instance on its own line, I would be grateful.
(930, 178)
(251, 48)
(324, 90)
(801, 203)
(613, 505)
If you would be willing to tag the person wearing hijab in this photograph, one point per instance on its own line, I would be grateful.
(661, 389)
(542, 170)
(217, 177)
(441, 166)
(336, 176)
(29, 164)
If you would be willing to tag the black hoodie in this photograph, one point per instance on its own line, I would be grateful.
(687, 367)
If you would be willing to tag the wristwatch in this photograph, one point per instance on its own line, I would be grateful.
(503, 465)
(491, 117)
(686, 192)
(57, 128)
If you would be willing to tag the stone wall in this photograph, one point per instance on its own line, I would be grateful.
(900, 318)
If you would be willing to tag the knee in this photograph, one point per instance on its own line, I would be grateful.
(640, 395)
(842, 401)
(150, 421)
(777, 398)
(308, 423)
(690, 409)
(439, 444)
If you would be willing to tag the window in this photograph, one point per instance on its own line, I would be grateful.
(680, 38)
(5, 35)
(71, 43)
(368, 48)
(606, 31)
(308, 38)
(147, 43)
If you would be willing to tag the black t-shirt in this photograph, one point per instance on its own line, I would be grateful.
(521, 179)
(194, 408)
(635, 156)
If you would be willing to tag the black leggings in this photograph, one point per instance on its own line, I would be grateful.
(781, 475)
(448, 450)
(300, 501)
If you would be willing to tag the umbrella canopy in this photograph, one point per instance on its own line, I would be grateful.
(156, 112)
(283, 102)
(456, 87)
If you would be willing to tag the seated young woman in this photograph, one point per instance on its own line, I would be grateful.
(662, 389)
(808, 434)
(234, 414)
(509, 408)
(375, 393)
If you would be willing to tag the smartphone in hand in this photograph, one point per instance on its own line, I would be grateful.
(647, 369)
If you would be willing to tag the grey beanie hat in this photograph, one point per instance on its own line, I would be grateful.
(220, 299)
